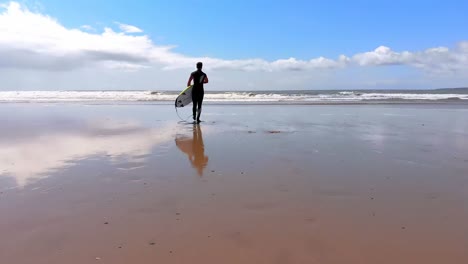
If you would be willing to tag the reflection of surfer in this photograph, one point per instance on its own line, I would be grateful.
(195, 149)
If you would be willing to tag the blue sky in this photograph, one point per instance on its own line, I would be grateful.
(278, 29)
(231, 34)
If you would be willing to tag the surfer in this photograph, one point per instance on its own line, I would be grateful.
(199, 78)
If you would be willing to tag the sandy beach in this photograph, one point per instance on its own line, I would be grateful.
(325, 184)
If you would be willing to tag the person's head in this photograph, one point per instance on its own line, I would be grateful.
(199, 65)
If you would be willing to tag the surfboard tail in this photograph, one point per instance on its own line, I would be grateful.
(184, 98)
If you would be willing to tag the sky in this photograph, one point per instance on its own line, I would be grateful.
(245, 45)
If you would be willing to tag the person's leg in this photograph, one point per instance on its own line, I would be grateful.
(199, 103)
(194, 102)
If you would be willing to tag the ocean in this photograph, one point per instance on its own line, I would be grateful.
(287, 97)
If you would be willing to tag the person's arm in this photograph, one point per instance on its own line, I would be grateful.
(206, 79)
(190, 80)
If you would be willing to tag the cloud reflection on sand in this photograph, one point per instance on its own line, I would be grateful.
(35, 157)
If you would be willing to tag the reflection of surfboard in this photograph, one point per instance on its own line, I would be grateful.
(185, 144)
(184, 98)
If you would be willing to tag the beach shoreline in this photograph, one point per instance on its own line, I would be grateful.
(248, 97)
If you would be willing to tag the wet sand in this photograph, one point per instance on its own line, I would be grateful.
(251, 184)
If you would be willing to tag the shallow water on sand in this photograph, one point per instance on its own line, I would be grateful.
(251, 184)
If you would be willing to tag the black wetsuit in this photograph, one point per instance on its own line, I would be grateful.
(198, 91)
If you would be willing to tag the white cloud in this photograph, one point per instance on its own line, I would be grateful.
(440, 59)
(87, 28)
(129, 28)
(34, 40)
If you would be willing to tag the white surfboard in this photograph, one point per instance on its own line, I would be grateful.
(184, 98)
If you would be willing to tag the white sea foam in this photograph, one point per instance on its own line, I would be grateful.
(148, 96)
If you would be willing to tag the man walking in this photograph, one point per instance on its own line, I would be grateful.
(199, 78)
